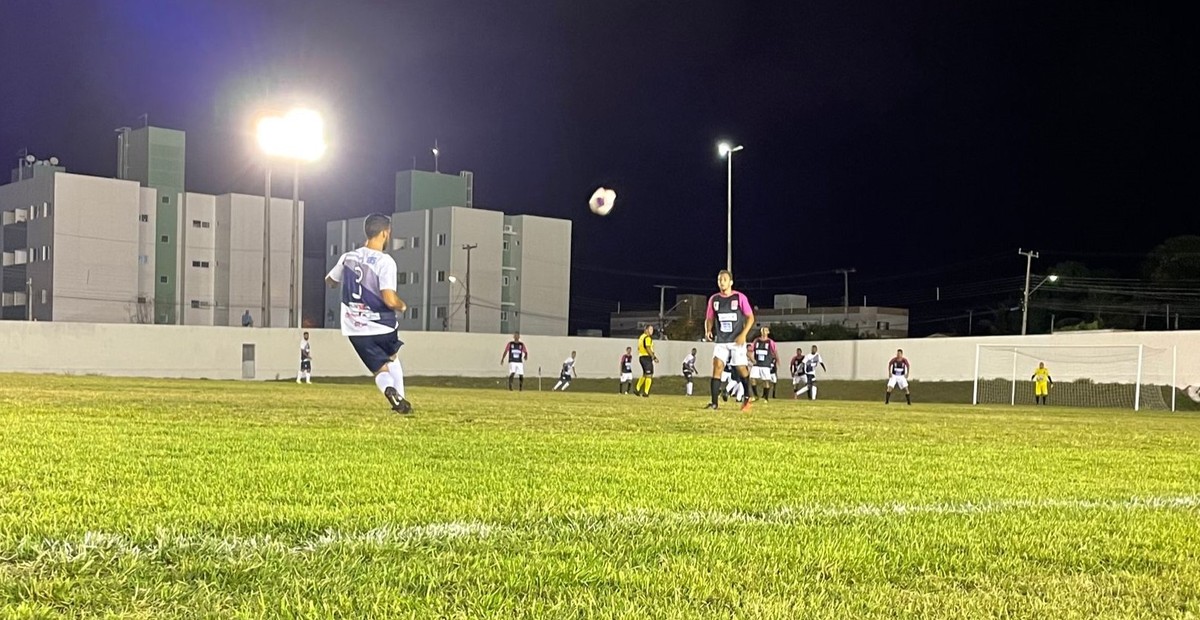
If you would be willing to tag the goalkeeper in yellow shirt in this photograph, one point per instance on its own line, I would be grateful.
(1041, 383)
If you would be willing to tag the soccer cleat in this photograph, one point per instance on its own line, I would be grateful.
(399, 405)
(712, 406)
(746, 406)
(725, 396)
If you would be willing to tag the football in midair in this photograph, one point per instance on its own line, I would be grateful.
(602, 201)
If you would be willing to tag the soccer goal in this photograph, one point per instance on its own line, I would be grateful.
(1117, 376)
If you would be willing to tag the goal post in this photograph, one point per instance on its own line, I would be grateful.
(1122, 376)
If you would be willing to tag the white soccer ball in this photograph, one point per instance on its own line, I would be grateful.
(602, 201)
(1193, 392)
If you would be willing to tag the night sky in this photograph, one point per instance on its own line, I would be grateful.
(921, 143)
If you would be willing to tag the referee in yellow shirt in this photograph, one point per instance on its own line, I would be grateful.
(1041, 383)
(647, 358)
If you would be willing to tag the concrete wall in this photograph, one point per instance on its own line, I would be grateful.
(215, 352)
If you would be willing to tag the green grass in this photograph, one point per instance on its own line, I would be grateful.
(156, 499)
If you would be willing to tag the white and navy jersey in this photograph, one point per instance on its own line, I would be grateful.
(305, 349)
(364, 274)
(568, 366)
(689, 364)
(728, 315)
(516, 351)
(627, 363)
(898, 366)
(811, 361)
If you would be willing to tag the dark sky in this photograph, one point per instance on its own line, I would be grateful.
(921, 143)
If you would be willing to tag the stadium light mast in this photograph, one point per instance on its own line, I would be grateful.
(726, 150)
(297, 136)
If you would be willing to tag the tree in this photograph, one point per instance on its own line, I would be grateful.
(1174, 260)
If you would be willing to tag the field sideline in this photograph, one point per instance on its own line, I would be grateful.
(177, 498)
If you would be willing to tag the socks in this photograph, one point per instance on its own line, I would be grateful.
(714, 389)
(649, 380)
(521, 383)
(689, 388)
(812, 395)
(510, 378)
(383, 381)
(887, 397)
(397, 374)
(640, 383)
(908, 397)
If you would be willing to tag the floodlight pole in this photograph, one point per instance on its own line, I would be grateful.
(296, 258)
(662, 297)
(266, 290)
(1029, 256)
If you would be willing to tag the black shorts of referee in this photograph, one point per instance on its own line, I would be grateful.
(647, 363)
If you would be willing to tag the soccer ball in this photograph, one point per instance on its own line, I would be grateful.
(602, 201)
(1193, 392)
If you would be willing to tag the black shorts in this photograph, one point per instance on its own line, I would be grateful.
(687, 376)
(647, 363)
(376, 351)
(565, 378)
(306, 365)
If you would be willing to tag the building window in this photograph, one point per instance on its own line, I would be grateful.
(166, 200)
(402, 277)
(333, 250)
(45, 296)
(45, 209)
(203, 264)
(45, 252)
(416, 242)
(505, 245)
(441, 276)
(505, 280)
(399, 244)
(416, 278)
(195, 303)
(143, 259)
(504, 315)
(441, 239)
(201, 224)
(162, 279)
(883, 325)
(164, 239)
(414, 313)
(32, 255)
(143, 218)
(439, 312)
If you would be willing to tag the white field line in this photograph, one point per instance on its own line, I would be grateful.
(98, 545)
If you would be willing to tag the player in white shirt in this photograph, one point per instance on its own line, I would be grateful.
(568, 372)
(808, 366)
(367, 277)
(689, 370)
(305, 360)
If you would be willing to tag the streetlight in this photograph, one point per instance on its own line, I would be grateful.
(450, 313)
(299, 136)
(846, 294)
(467, 304)
(1025, 307)
(726, 150)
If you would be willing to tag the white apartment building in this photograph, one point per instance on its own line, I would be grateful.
(520, 265)
(102, 250)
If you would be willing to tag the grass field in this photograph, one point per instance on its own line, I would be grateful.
(158, 499)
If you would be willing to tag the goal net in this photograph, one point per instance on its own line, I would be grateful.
(1117, 376)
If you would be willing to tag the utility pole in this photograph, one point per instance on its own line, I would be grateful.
(846, 294)
(662, 296)
(28, 299)
(266, 290)
(467, 302)
(1029, 256)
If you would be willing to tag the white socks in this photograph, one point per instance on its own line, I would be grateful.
(397, 374)
(689, 388)
(384, 381)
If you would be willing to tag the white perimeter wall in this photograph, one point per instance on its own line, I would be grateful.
(216, 352)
